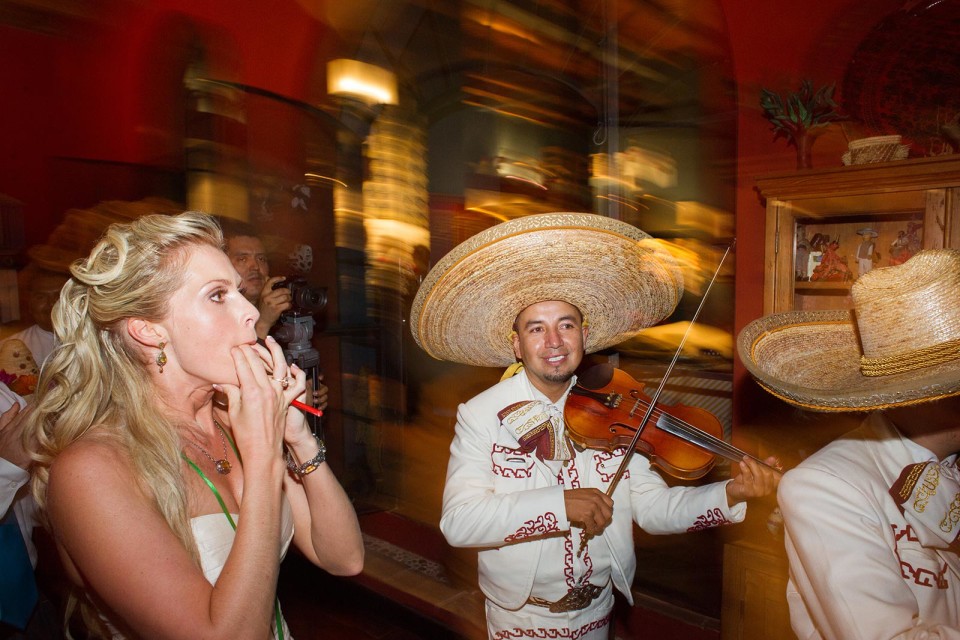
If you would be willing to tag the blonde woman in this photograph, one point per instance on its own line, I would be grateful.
(170, 465)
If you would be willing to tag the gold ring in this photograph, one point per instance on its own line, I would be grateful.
(284, 382)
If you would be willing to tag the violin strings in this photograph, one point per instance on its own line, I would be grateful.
(693, 433)
(698, 437)
(716, 445)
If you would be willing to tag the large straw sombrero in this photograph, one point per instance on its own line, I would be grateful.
(899, 346)
(620, 278)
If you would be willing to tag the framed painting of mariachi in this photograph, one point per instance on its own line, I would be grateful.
(826, 227)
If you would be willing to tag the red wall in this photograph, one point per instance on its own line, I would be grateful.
(775, 45)
(98, 94)
(94, 92)
(26, 125)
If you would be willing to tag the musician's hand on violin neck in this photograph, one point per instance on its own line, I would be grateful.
(754, 480)
(591, 509)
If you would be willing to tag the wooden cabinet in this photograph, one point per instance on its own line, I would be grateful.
(754, 592)
(842, 207)
(919, 197)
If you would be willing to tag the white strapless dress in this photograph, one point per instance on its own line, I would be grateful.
(214, 537)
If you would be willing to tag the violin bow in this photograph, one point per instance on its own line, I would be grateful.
(663, 383)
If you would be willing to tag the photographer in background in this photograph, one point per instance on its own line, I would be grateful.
(269, 295)
(249, 257)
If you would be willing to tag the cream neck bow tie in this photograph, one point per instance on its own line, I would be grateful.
(928, 495)
(538, 426)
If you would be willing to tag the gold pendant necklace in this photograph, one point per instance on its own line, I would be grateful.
(222, 465)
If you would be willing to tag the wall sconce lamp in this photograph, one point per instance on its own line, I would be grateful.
(365, 82)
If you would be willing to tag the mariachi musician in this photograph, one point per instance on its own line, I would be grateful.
(538, 293)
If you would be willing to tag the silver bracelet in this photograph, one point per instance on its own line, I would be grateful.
(310, 465)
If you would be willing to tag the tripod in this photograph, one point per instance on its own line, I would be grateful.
(296, 331)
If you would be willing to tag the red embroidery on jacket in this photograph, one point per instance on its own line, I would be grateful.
(606, 473)
(712, 518)
(525, 471)
(921, 577)
(541, 632)
(547, 523)
(568, 559)
(573, 473)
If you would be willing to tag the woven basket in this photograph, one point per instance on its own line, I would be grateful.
(875, 149)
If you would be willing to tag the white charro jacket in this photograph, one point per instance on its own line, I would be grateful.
(857, 569)
(507, 501)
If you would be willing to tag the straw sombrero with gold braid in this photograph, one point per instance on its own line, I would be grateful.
(620, 278)
(899, 346)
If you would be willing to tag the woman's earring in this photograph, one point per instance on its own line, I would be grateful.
(161, 357)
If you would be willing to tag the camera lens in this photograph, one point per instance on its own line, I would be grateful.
(309, 298)
(304, 298)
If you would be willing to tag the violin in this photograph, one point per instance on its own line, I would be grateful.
(604, 411)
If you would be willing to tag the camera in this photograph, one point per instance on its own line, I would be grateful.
(296, 323)
(305, 299)
(295, 329)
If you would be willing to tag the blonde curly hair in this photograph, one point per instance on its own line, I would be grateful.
(96, 378)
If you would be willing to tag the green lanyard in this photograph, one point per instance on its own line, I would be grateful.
(226, 512)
